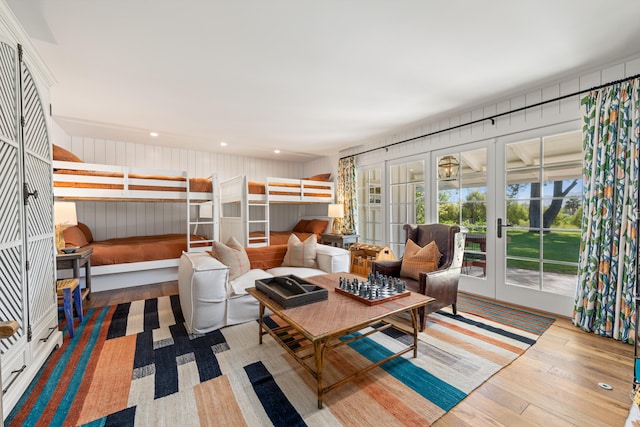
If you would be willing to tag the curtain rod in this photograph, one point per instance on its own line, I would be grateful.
(495, 116)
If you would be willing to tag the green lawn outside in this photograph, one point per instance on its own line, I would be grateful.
(557, 246)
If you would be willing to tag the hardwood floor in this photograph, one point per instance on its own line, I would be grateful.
(555, 383)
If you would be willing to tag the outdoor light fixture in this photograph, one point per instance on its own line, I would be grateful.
(448, 167)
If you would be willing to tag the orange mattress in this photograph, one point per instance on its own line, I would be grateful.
(202, 185)
(139, 248)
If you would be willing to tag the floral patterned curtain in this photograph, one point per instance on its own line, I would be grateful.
(346, 192)
(607, 275)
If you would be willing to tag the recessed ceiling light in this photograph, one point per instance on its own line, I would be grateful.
(276, 151)
(223, 144)
(154, 134)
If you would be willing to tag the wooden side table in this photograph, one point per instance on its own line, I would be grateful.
(339, 240)
(82, 257)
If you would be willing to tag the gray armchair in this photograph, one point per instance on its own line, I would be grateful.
(441, 284)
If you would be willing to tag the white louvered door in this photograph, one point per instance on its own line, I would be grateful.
(27, 247)
(12, 292)
(41, 274)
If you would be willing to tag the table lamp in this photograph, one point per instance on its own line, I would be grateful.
(336, 211)
(64, 216)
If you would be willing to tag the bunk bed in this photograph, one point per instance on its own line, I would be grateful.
(244, 212)
(151, 259)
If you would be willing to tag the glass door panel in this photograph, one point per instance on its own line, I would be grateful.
(542, 207)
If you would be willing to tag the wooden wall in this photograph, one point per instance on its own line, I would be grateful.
(120, 219)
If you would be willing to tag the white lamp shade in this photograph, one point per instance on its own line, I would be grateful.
(335, 211)
(64, 213)
(206, 210)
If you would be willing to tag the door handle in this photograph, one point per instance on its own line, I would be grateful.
(26, 193)
(500, 226)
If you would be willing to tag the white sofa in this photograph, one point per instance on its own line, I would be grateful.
(210, 300)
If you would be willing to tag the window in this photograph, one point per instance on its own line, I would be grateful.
(462, 199)
(369, 191)
(544, 210)
(406, 201)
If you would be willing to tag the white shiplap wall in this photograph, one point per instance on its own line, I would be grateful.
(550, 114)
(555, 113)
(121, 219)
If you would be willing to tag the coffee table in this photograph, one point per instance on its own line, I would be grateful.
(313, 329)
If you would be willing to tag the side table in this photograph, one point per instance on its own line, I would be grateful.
(339, 240)
(82, 257)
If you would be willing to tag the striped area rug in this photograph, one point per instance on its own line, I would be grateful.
(134, 364)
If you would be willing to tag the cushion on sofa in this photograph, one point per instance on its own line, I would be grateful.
(266, 257)
(247, 280)
(233, 255)
(301, 254)
(417, 259)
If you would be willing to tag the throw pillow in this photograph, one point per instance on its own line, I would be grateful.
(301, 226)
(317, 226)
(417, 259)
(59, 153)
(301, 254)
(74, 237)
(232, 255)
(86, 231)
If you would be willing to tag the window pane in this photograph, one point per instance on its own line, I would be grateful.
(559, 279)
(523, 273)
(523, 243)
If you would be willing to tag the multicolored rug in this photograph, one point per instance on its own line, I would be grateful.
(134, 364)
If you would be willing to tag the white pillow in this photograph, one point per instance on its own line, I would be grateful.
(233, 255)
(301, 254)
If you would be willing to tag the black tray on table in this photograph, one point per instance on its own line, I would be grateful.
(291, 291)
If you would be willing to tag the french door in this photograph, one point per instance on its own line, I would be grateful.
(519, 199)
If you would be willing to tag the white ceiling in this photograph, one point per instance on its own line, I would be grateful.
(308, 78)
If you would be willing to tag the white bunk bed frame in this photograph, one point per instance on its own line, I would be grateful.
(118, 276)
(236, 190)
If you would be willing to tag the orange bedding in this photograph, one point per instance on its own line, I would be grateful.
(139, 248)
(195, 184)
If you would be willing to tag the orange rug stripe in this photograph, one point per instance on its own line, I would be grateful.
(217, 403)
(493, 341)
(109, 390)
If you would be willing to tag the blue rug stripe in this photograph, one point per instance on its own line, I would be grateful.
(31, 386)
(280, 411)
(78, 372)
(489, 328)
(422, 382)
(52, 382)
(151, 321)
(118, 327)
(95, 423)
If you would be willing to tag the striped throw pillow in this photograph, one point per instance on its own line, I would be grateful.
(232, 255)
(417, 259)
(301, 254)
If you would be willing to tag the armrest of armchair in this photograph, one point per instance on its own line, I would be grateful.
(442, 285)
(331, 259)
(387, 268)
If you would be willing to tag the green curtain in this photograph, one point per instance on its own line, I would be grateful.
(346, 192)
(607, 270)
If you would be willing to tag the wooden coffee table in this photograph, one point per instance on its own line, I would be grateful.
(313, 329)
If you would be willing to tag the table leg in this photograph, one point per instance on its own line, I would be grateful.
(319, 350)
(261, 315)
(414, 323)
(87, 272)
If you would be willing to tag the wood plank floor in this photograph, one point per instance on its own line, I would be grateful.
(555, 383)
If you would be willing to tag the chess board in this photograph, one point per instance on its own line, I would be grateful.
(378, 294)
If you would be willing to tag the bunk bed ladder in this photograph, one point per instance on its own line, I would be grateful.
(206, 214)
(257, 213)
